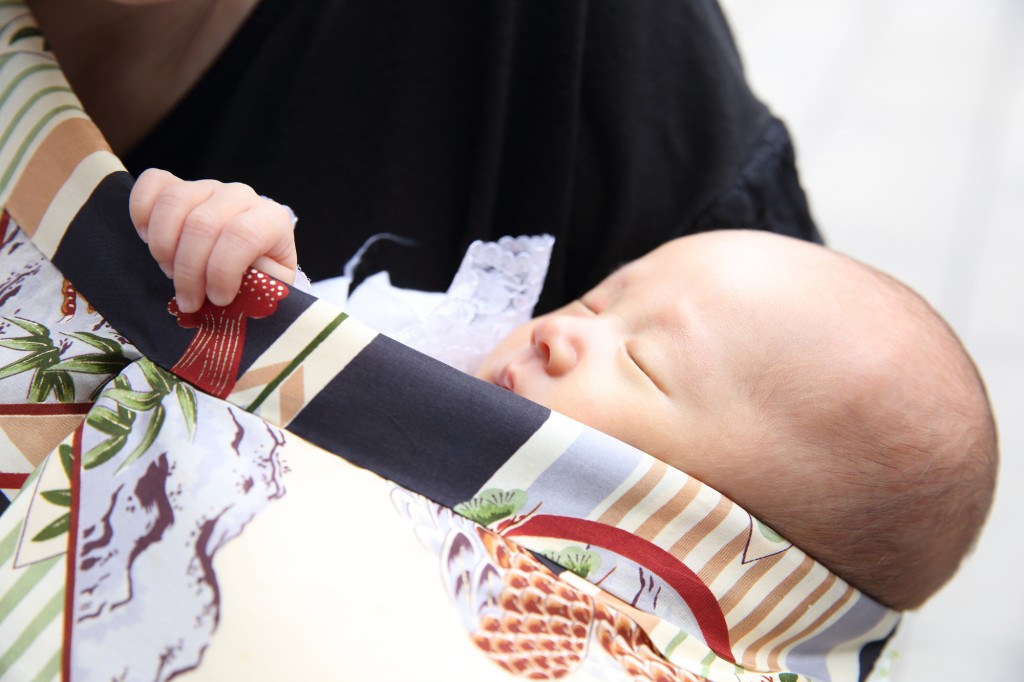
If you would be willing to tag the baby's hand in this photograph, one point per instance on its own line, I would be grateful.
(205, 234)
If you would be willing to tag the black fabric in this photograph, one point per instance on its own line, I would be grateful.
(612, 125)
(870, 653)
(417, 422)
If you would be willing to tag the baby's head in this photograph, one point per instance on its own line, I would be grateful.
(825, 397)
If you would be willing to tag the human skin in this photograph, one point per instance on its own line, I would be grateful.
(131, 61)
(683, 353)
(205, 234)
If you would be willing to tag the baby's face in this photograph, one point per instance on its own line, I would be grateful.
(678, 353)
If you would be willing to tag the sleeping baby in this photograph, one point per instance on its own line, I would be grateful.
(823, 396)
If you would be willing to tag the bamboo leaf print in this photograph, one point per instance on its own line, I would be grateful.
(134, 400)
(187, 400)
(64, 450)
(63, 385)
(107, 421)
(155, 424)
(93, 363)
(27, 343)
(160, 380)
(40, 360)
(61, 498)
(33, 328)
(108, 346)
(44, 381)
(104, 451)
(57, 527)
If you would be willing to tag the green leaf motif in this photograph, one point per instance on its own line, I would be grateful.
(580, 561)
(787, 677)
(769, 534)
(33, 328)
(108, 346)
(40, 360)
(48, 380)
(152, 431)
(63, 385)
(61, 498)
(93, 363)
(107, 421)
(54, 529)
(492, 505)
(187, 400)
(103, 451)
(27, 343)
(134, 400)
(65, 452)
(159, 379)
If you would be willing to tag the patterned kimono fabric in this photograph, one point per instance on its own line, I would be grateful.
(246, 492)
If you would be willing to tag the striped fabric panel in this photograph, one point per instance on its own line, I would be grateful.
(303, 360)
(774, 597)
(51, 155)
(31, 606)
(771, 602)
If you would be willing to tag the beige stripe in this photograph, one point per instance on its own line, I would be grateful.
(634, 495)
(259, 377)
(293, 396)
(693, 536)
(50, 167)
(766, 606)
(670, 510)
(70, 198)
(773, 657)
(324, 363)
(750, 578)
(723, 557)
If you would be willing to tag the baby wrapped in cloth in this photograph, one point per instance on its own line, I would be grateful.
(781, 392)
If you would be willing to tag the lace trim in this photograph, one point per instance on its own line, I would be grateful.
(494, 291)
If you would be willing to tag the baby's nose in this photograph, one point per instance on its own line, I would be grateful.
(557, 342)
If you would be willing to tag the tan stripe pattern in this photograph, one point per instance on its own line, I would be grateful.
(635, 495)
(703, 529)
(47, 171)
(817, 625)
(45, 136)
(765, 606)
(731, 599)
(279, 385)
(669, 511)
(763, 596)
(724, 557)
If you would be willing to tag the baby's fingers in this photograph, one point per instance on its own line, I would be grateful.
(144, 196)
(262, 236)
(201, 229)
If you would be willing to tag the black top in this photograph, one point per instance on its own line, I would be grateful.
(612, 125)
